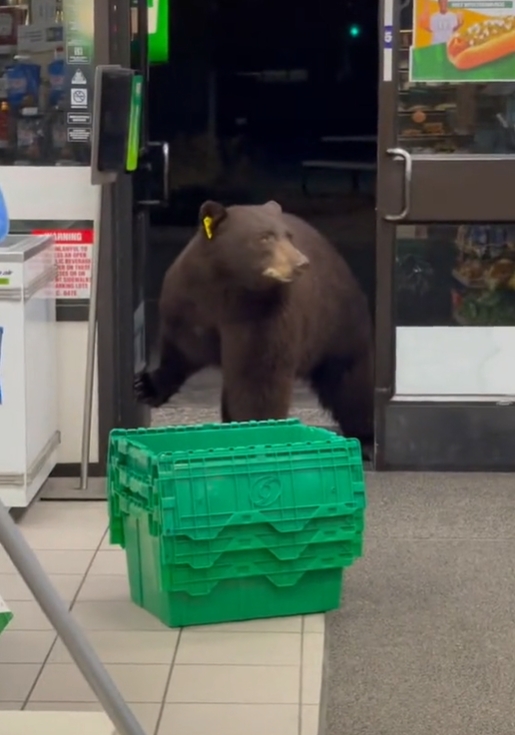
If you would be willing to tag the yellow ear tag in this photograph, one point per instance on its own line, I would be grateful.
(208, 227)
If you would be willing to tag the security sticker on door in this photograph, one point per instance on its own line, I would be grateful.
(79, 98)
(79, 78)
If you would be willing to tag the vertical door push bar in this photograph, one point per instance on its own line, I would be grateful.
(403, 155)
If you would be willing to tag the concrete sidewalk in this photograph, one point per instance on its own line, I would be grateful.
(424, 643)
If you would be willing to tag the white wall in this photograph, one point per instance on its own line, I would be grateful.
(61, 193)
(71, 361)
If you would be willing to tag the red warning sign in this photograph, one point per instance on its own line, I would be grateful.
(73, 249)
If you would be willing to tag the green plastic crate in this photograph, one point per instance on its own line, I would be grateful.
(209, 514)
(5, 615)
(240, 598)
(284, 546)
(195, 481)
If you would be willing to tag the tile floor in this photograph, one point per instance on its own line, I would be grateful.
(237, 679)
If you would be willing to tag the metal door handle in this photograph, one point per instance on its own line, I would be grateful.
(166, 172)
(165, 147)
(397, 153)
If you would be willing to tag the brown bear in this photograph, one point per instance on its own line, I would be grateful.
(263, 295)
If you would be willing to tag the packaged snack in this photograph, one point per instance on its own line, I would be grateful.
(23, 84)
(58, 132)
(4, 124)
(56, 79)
(10, 19)
(30, 138)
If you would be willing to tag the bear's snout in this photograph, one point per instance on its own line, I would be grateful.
(302, 263)
(287, 263)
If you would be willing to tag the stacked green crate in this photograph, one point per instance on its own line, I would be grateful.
(5, 615)
(235, 521)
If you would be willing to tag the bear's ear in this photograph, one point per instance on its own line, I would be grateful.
(210, 216)
(273, 207)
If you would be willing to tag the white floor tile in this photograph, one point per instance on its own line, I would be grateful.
(54, 561)
(57, 723)
(115, 615)
(27, 615)
(230, 719)
(65, 525)
(16, 681)
(268, 625)
(25, 647)
(312, 662)
(235, 684)
(109, 562)
(265, 649)
(106, 545)
(146, 714)
(101, 588)
(58, 514)
(314, 623)
(65, 561)
(137, 683)
(309, 723)
(6, 565)
(13, 587)
(131, 647)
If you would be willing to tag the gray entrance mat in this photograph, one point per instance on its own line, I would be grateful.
(424, 643)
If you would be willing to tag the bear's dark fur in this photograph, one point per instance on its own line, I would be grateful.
(261, 294)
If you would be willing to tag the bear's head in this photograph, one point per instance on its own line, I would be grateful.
(251, 245)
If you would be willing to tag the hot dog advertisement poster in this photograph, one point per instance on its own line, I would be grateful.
(463, 41)
(5, 615)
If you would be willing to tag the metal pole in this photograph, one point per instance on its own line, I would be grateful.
(91, 349)
(65, 626)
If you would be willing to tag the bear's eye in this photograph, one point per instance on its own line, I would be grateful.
(267, 237)
(289, 236)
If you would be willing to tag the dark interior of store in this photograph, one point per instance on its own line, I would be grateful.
(251, 91)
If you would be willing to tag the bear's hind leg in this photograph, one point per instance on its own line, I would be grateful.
(346, 390)
(156, 387)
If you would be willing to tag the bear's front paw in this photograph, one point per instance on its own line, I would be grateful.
(146, 390)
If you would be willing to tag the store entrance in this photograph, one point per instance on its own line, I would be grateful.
(445, 239)
(259, 101)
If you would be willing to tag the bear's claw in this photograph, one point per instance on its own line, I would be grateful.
(145, 390)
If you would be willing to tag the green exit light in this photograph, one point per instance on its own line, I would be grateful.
(354, 30)
(157, 19)
(158, 31)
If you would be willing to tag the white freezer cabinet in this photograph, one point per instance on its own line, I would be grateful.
(29, 432)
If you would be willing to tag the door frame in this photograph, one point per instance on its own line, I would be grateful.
(116, 404)
(426, 434)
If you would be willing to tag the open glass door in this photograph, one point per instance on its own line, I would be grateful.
(445, 384)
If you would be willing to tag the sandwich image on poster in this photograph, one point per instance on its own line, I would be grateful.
(463, 41)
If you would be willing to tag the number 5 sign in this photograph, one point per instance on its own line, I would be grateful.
(388, 37)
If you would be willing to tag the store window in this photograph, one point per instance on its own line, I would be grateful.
(455, 275)
(46, 82)
(444, 108)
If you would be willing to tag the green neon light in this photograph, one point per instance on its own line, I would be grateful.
(158, 31)
(134, 124)
(158, 42)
